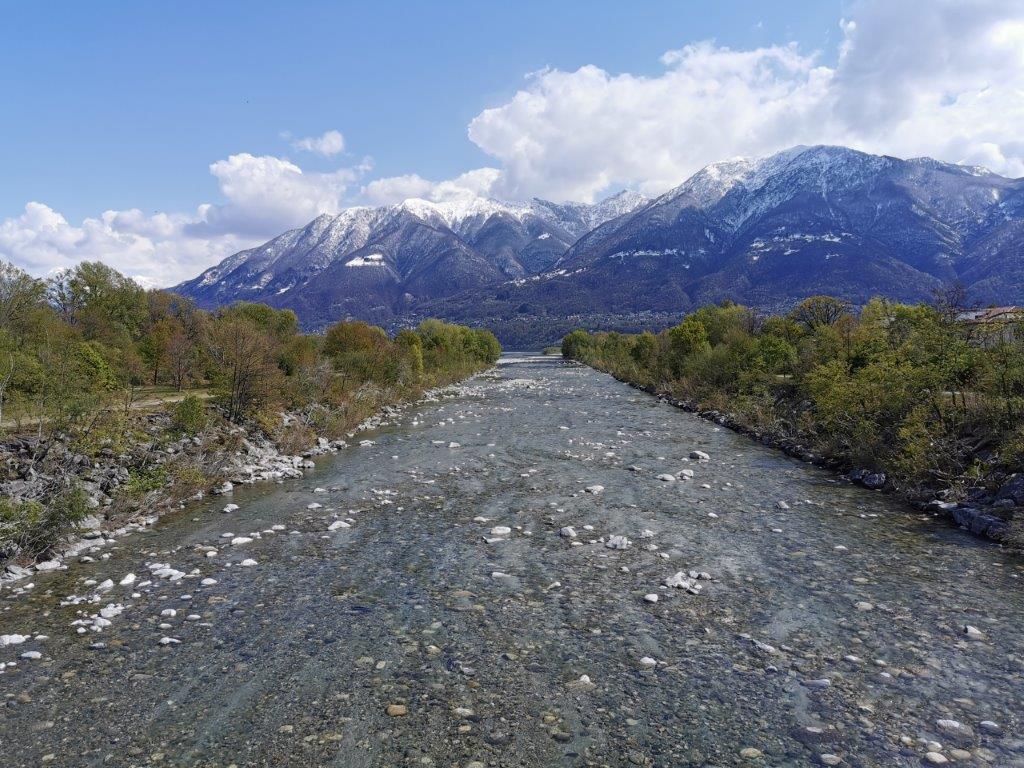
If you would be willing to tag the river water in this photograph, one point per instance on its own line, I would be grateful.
(832, 627)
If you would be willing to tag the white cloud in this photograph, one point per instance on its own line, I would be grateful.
(266, 195)
(263, 197)
(329, 144)
(394, 189)
(153, 250)
(944, 78)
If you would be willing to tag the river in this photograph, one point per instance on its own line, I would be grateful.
(829, 624)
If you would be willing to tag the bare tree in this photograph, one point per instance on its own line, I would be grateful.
(817, 311)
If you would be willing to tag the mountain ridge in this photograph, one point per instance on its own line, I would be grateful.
(766, 231)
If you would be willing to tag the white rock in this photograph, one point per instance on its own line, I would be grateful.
(618, 542)
(594, 489)
(935, 758)
(568, 532)
(667, 478)
(169, 613)
(230, 508)
(208, 582)
(127, 580)
(973, 632)
(225, 487)
(314, 505)
(782, 505)
(6, 640)
(105, 586)
(248, 562)
(648, 663)
(338, 525)
(651, 597)
(699, 456)
(111, 610)
(31, 655)
(240, 540)
(500, 530)
(170, 641)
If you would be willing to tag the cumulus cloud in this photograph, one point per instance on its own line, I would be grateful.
(393, 189)
(329, 144)
(944, 79)
(153, 250)
(267, 194)
(263, 196)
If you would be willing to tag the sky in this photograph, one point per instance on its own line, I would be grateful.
(161, 138)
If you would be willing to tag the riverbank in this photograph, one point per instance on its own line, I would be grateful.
(983, 516)
(476, 586)
(154, 469)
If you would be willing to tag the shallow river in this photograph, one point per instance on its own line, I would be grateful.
(832, 629)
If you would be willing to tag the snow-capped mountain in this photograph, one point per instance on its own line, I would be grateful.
(378, 262)
(771, 231)
(767, 232)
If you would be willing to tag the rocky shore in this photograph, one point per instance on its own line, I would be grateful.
(224, 456)
(984, 512)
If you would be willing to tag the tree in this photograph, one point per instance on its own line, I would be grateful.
(246, 372)
(21, 298)
(574, 344)
(817, 311)
(181, 358)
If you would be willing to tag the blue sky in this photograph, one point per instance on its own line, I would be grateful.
(162, 137)
(99, 91)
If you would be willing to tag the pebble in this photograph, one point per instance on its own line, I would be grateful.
(338, 525)
(397, 710)
(973, 632)
(651, 597)
(699, 456)
(618, 542)
(750, 753)
(594, 489)
(248, 562)
(568, 532)
(935, 758)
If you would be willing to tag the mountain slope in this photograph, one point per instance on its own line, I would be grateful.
(767, 232)
(379, 262)
(772, 231)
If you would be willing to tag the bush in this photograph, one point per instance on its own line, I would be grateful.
(189, 416)
(31, 528)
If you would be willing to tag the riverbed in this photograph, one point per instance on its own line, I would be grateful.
(483, 583)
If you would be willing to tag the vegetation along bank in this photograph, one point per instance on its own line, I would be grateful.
(117, 402)
(912, 399)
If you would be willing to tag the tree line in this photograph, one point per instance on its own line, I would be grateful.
(88, 340)
(909, 390)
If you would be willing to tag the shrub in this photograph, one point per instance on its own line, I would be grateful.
(31, 528)
(189, 415)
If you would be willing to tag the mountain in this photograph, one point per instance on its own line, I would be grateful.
(772, 231)
(378, 263)
(767, 232)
